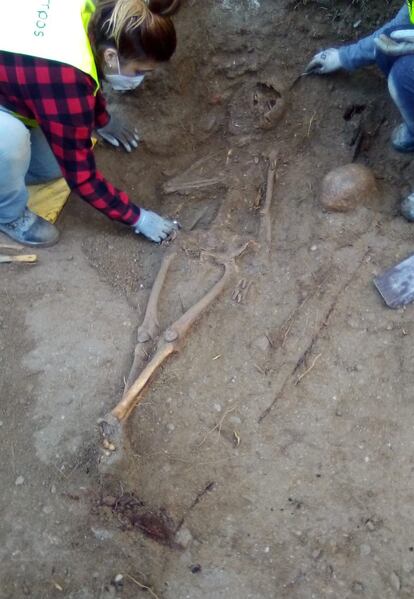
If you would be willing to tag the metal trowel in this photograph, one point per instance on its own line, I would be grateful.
(396, 285)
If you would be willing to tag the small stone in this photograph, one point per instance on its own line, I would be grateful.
(262, 343)
(53, 489)
(317, 554)
(217, 407)
(370, 525)
(184, 537)
(1, 422)
(195, 568)
(364, 550)
(313, 248)
(19, 481)
(171, 427)
(101, 534)
(395, 581)
(118, 582)
(109, 501)
(208, 122)
(345, 187)
(357, 587)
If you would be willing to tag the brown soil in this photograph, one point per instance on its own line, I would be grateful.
(272, 458)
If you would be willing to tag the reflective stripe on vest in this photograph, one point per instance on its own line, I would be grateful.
(410, 4)
(50, 29)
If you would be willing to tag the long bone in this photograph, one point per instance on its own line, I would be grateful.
(149, 328)
(170, 342)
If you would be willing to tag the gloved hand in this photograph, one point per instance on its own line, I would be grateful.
(398, 43)
(327, 61)
(117, 131)
(155, 227)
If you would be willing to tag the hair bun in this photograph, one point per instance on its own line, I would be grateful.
(164, 8)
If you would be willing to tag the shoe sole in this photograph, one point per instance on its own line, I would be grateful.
(40, 244)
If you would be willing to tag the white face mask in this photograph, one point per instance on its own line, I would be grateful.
(123, 83)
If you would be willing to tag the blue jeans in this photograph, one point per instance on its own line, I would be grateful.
(25, 159)
(399, 71)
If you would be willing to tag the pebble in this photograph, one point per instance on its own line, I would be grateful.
(262, 343)
(109, 501)
(408, 567)
(317, 554)
(313, 248)
(357, 587)
(184, 537)
(217, 407)
(195, 568)
(364, 550)
(118, 582)
(370, 525)
(19, 481)
(171, 427)
(395, 581)
(1, 422)
(53, 489)
(101, 534)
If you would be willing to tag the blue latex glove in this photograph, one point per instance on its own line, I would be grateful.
(155, 227)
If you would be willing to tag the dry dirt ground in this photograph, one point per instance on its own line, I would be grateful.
(273, 457)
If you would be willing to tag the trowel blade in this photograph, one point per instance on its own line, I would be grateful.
(396, 285)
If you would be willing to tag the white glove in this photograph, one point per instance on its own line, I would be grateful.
(405, 35)
(155, 227)
(399, 43)
(327, 61)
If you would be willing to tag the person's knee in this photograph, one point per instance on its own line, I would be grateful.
(401, 77)
(14, 146)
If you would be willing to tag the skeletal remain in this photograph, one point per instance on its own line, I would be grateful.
(266, 224)
(169, 343)
(149, 328)
(150, 325)
(186, 186)
(240, 293)
(172, 338)
(194, 177)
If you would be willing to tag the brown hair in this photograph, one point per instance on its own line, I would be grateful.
(138, 29)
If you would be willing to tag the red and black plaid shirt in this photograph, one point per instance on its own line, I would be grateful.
(61, 99)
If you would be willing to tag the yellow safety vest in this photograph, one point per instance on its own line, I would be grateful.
(50, 29)
(410, 4)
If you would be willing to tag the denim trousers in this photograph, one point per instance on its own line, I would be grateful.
(25, 159)
(399, 71)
